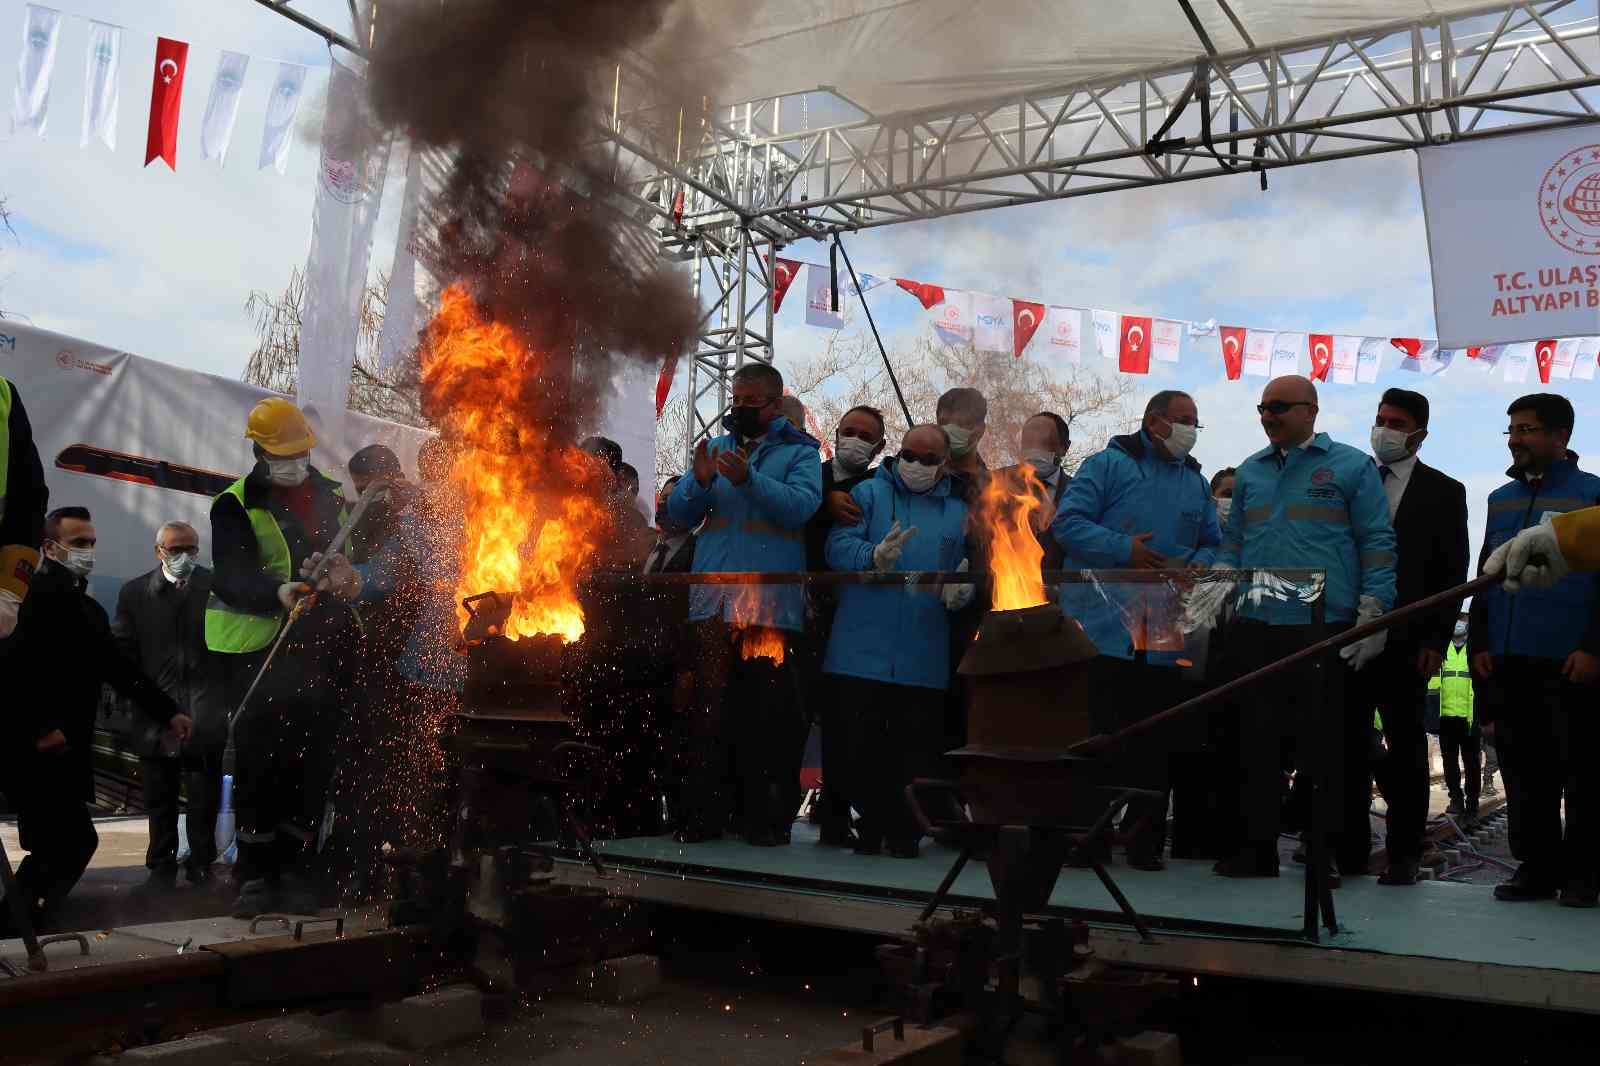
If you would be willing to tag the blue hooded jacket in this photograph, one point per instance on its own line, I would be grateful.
(900, 635)
(1545, 623)
(1129, 488)
(757, 527)
(1322, 507)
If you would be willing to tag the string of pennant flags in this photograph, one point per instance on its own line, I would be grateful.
(984, 322)
(30, 108)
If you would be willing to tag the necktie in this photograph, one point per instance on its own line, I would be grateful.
(1383, 473)
(658, 559)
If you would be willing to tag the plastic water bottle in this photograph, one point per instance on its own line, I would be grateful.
(225, 823)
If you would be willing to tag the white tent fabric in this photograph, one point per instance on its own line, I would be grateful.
(894, 55)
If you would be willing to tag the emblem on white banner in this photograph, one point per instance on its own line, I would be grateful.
(1569, 200)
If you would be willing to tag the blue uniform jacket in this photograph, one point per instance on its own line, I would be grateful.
(1547, 623)
(757, 527)
(1323, 508)
(1128, 488)
(887, 633)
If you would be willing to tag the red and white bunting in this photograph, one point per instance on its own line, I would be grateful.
(1232, 350)
(1166, 338)
(784, 271)
(1320, 347)
(1026, 318)
(1133, 347)
(1286, 349)
(1258, 353)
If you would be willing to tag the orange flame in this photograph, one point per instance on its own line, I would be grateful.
(756, 641)
(1008, 512)
(531, 504)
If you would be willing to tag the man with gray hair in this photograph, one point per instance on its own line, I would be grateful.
(160, 625)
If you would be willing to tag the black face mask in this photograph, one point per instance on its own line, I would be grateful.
(744, 421)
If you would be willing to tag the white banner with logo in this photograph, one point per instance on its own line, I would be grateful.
(1514, 236)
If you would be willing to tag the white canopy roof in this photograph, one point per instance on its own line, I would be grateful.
(895, 55)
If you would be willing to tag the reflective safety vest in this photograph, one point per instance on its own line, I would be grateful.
(234, 630)
(1453, 682)
(5, 440)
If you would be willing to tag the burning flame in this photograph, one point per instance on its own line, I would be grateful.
(1008, 510)
(532, 504)
(756, 641)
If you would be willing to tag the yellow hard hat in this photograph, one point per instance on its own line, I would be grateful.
(279, 427)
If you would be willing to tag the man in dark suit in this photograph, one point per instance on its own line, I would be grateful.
(1429, 512)
(64, 652)
(857, 441)
(1043, 444)
(160, 625)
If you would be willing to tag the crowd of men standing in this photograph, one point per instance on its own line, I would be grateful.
(873, 666)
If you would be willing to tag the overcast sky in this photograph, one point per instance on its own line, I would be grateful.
(160, 263)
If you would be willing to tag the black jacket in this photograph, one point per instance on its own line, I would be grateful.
(27, 496)
(1430, 532)
(64, 651)
(821, 522)
(239, 580)
(1054, 553)
(163, 630)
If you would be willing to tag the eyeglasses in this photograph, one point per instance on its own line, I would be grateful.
(924, 458)
(1279, 407)
(1524, 431)
(756, 402)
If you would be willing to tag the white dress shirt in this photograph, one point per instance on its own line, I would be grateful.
(1394, 485)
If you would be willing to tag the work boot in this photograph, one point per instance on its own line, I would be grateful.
(1399, 872)
(297, 895)
(1455, 806)
(1488, 784)
(1525, 885)
(256, 897)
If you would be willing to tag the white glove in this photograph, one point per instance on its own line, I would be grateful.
(1533, 556)
(1205, 599)
(1366, 649)
(957, 596)
(10, 602)
(340, 578)
(290, 593)
(887, 553)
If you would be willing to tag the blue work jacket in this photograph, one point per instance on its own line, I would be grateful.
(757, 527)
(1322, 507)
(898, 634)
(1129, 488)
(1546, 623)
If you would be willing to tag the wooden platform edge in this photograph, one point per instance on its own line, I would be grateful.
(1197, 954)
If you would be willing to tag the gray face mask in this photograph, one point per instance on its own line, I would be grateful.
(961, 443)
(78, 560)
(179, 566)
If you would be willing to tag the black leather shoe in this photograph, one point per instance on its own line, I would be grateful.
(1399, 872)
(1455, 806)
(1580, 893)
(1524, 886)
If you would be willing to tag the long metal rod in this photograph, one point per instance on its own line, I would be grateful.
(862, 296)
(1097, 745)
(332, 36)
(334, 548)
(939, 577)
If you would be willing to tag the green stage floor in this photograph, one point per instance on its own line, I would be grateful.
(1433, 920)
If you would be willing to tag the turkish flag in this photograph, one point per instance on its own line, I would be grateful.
(1473, 353)
(669, 370)
(1133, 353)
(1410, 345)
(1025, 318)
(1232, 350)
(1321, 347)
(1545, 353)
(783, 275)
(928, 295)
(166, 97)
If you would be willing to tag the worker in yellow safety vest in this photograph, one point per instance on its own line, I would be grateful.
(264, 529)
(1458, 733)
(23, 501)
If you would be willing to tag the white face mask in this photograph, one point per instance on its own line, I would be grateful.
(1224, 505)
(1390, 445)
(78, 560)
(1044, 463)
(853, 453)
(288, 473)
(960, 438)
(1181, 441)
(919, 478)
(1460, 632)
(179, 566)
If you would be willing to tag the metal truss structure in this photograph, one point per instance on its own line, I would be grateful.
(725, 187)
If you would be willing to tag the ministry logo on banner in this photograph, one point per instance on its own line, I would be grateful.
(1514, 236)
